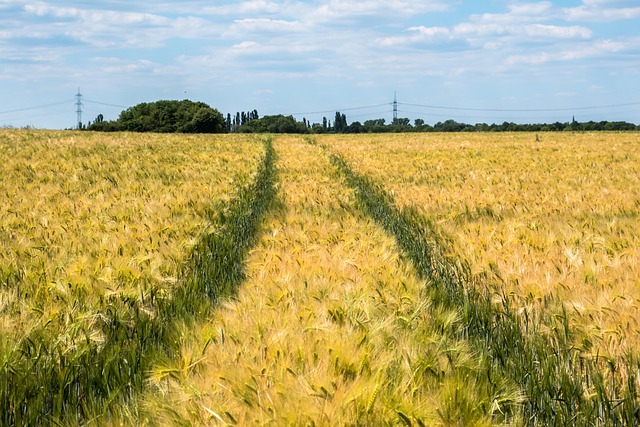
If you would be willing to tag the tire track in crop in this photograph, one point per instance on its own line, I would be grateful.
(561, 385)
(331, 326)
(42, 384)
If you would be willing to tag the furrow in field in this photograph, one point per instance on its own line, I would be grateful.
(63, 374)
(331, 327)
(558, 216)
(561, 384)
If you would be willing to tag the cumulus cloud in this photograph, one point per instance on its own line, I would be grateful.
(350, 8)
(252, 25)
(518, 13)
(590, 14)
(111, 28)
(593, 50)
(603, 11)
(253, 7)
(104, 17)
(475, 31)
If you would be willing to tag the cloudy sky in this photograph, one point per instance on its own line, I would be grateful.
(470, 60)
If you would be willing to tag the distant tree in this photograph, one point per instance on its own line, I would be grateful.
(449, 126)
(274, 124)
(205, 120)
(374, 122)
(619, 126)
(340, 122)
(355, 127)
(168, 116)
(375, 125)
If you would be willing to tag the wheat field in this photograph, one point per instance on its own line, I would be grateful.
(395, 279)
(558, 216)
(331, 327)
(87, 219)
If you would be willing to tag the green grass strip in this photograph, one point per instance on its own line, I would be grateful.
(44, 381)
(561, 384)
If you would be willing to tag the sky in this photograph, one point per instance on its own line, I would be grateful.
(472, 61)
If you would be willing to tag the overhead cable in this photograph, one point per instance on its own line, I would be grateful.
(341, 109)
(528, 110)
(104, 103)
(35, 108)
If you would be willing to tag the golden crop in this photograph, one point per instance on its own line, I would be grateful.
(556, 216)
(84, 216)
(325, 304)
(332, 327)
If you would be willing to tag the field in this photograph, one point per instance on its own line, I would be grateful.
(93, 227)
(412, 279)
(558, 216)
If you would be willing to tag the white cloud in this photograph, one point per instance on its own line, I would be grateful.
(473, 32)
(603, 11)
(537, 31)
(110, 28)
(254, 7)
(103, 17)
(419, 34)
(246, 45)
(588, 14)
(250, 25)
(140, 65)
(518, 13)
(539, 58)
(528, 9)
(342, 8)
(593, 50)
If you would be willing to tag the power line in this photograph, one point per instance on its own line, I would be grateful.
(340, 109)
(529, 110)
(377, 113)
(35, 108)
(104, 103)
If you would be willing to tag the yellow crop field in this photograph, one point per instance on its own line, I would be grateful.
(557, 215)
(330, 328)
(394, 279)
(95, 215)
(89, 218)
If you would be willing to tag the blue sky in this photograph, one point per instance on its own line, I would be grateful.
(473, 61)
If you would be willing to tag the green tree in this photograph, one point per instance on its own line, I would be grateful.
(340, 122)
(274, 124)
(172, 116)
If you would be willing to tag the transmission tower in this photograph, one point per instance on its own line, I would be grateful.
(395, 108)
(79, 108)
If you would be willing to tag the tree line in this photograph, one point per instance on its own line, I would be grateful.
(197, 117)
(164, 117)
